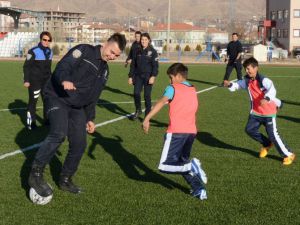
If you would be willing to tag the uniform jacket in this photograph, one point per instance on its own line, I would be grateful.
(83, 66)
(135, 45)
(258, 89)
(144, 63)
(233, 49)
(37, 65)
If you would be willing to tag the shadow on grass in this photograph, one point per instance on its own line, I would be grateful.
(208, 139)
(290, 102)
(26, 138)
(289, 118)
(203, 82)
(131, 165)
(113, 108)
(118, 91)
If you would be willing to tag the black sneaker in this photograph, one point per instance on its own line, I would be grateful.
(136, 114)
(66, 184)
(36, 181)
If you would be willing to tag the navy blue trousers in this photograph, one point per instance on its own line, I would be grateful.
(139, 83)
(252, 129)
(65, 121)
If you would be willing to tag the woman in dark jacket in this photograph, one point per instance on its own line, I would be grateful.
(143, 71)
(37, 70)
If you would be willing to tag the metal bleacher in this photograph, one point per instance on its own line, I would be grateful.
(13, 43)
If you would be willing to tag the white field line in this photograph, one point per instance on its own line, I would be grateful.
(40, 107)
(97, 125)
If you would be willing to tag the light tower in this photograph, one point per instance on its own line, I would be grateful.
(231, 15)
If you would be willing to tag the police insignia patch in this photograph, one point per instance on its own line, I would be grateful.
(76, 53)
(28, 56)
(149, 53)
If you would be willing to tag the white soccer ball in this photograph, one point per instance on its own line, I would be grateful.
(37, 199)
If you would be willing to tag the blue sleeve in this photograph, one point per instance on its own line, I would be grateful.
(169, 92)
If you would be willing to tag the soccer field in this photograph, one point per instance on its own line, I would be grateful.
(119, 168)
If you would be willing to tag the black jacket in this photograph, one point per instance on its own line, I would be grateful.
(135, 45)
(37, 65)
(83, 66)
(233, 49)
(144, 63)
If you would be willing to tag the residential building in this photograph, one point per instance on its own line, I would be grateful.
(94, 32)
(5, 21)
(286, 14)
(179, 33)
(59, 23)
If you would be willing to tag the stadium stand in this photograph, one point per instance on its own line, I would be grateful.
(13, 44)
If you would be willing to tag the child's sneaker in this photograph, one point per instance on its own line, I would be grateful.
(264, 151)
(197, 170)
(200, 193)
(289, 159)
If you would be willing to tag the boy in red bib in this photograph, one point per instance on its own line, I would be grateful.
(264, 105)
(181, 132)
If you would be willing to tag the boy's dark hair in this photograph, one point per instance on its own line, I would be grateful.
(178, 68)
(251, 61)
(46, 33)
(138, 32)
(235, 34)
(119, 38)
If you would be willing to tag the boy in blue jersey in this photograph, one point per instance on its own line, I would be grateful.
(181, 131)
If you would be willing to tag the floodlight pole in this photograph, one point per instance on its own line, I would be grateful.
(168, 32)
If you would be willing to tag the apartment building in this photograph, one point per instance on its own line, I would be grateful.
(286, 14)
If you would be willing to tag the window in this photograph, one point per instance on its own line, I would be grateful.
(285, 33)
(278, 33)
(280, 14)
(273, 15)
(286, 14)
(297, 33)
(297, 13)
(273, 32)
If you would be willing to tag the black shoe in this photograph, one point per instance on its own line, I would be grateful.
(66, 184)
(136, 114)
(36, 181)
(32, 126)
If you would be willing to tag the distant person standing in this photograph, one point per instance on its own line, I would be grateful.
(135, 45)
(234, 58)
(37, 70)
(143, 71)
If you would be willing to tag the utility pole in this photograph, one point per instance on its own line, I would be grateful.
(168, 32)
(231, 13)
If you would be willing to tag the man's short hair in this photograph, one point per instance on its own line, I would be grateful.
(138, 32)
(178, 68)
(119, 39)
(235, 34)
(46, 33)
(251, 61)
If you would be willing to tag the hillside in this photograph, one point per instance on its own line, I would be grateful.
(181, 9)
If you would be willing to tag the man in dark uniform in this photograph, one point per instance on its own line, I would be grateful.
(37, 70)
(135, 45)
(70, 98)
(143, 71)
(234, 54)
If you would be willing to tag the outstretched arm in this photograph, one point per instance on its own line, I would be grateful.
(158, 106)
(234, 86)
